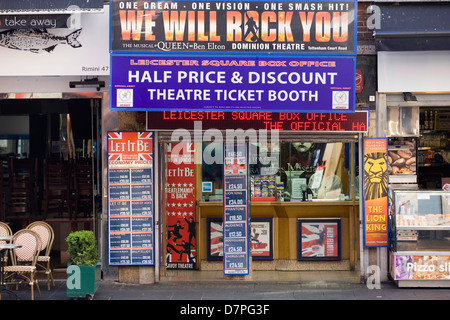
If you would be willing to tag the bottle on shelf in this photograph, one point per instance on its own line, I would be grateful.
(421, 121)
(443, 142)
(431, 122)
(426, 127)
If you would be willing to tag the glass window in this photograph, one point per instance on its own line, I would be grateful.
(264, 171)
(319, 171)
(212, 171)
(15, 147)
(288, 171)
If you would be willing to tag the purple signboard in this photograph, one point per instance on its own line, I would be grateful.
(302, 84)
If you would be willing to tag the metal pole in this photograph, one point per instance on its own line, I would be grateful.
(156, 187)
(362, 256)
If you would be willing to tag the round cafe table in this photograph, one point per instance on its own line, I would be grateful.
(4, 247)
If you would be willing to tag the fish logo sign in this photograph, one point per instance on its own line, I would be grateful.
(37, 40)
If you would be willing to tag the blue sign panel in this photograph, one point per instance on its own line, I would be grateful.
(130, 198)
(277, 84)
(235, 211)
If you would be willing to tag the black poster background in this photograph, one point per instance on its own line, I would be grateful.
(215, 34)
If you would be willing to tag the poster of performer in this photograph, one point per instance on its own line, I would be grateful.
(180, 206)
(261, 238)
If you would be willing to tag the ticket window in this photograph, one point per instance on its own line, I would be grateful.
(289, 171)
(212, 171)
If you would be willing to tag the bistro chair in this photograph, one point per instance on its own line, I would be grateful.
(5, 231)
(45, 232)
(57, 188)
(2, 196)
(23, 260)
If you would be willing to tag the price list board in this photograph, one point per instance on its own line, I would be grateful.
(236, 211)
(130, 198)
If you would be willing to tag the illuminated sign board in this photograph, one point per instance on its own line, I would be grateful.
(232, 26)
(157, 83)
(287, 121)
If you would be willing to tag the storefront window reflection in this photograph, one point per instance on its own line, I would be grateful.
(212, 171)
(315, 171)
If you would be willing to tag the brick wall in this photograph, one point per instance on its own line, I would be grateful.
(365, 40)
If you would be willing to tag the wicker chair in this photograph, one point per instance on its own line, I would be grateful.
(24, 260)
(45, 232)
(5, 231)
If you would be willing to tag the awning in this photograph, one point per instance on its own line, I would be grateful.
(50, 6)
(413, 27)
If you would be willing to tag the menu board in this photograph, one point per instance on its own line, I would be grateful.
(235, 210)
(130, 198)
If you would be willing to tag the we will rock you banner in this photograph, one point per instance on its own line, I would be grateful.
(234, 26)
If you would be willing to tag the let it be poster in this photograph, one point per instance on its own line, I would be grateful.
(180, 206)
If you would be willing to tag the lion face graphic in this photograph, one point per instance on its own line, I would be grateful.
(375, 175)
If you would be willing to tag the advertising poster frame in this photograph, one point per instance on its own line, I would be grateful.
(314, 236)
(130, 156)
(180, 207)
(266, 238)
(236, 27)
(214, 238)
(375, 193)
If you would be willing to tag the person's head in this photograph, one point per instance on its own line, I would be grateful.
(302, 146)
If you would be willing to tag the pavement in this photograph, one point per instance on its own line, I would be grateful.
(178, 298)
(179, 289)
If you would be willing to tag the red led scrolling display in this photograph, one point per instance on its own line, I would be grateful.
(286, 121)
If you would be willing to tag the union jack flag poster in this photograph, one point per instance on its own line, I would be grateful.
(319, 239)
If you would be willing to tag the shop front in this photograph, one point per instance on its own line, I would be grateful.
(256, 140)
(53, 89)
(412, 107)
(302, 190)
